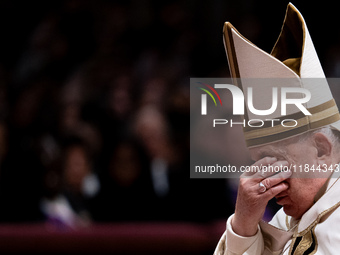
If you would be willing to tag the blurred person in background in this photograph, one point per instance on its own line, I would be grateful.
(73, 189)
(126, 190)
(174, 195)
(22, 169)
(153, 132)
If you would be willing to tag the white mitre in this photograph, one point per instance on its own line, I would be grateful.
(293, 62)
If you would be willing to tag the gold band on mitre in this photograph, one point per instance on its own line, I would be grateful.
(293, 58)
(322, 115)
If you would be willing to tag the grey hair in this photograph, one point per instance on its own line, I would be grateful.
(333, 135)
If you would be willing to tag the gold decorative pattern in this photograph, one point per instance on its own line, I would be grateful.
(307, 241)
(324, 114)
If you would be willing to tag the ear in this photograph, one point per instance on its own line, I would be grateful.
(323, 145)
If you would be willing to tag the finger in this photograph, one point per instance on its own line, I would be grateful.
(276, 179)
(256, 167)
(275, 190)
(272, 170)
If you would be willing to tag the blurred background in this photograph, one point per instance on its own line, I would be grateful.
(94, 119)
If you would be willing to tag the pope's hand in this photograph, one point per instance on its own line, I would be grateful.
(252, 199)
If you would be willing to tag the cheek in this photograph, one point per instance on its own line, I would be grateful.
(302, 164)
(301, 158)
(302, 191)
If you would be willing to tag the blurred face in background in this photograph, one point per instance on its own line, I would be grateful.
(77, 167)
(125, 166)
(152, 130)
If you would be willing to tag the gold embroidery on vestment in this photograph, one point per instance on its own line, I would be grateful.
(306, 242)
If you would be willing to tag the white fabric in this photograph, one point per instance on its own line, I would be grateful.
(266, 66)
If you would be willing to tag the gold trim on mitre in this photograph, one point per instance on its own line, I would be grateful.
(293, 58)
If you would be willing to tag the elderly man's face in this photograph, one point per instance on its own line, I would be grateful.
(304, 186)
